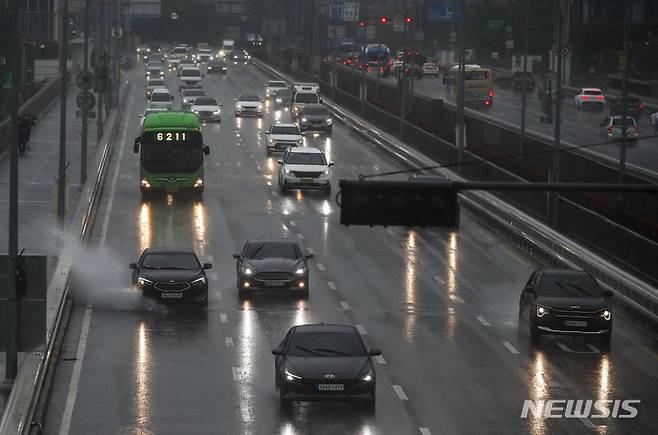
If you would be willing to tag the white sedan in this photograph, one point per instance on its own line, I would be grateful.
(207, 109)
(589, 97)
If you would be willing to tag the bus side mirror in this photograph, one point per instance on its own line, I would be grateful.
(206, 149)
(138, 142)
(172, 98)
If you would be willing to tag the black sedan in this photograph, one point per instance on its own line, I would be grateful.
(216, 67)
(171, 275)
(324, 363)
(315, 117)
(272, 265)
(565, 301)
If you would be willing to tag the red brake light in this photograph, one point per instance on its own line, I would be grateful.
(599, 97)
(610, 129)
(491, 92)
(642, 106)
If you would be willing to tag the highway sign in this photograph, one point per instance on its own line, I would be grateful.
(350, 11)
(445, 10)
(509, 44)
(84, 80)
(336, 11)
(85, 100)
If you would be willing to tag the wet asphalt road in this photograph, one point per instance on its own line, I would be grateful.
(441, 305)
(578, 127)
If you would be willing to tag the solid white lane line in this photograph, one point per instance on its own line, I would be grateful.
(228, 341)
(483, 321)
(223, 318)
(380, 360)
(115, 175)
(293, 223)
(213, 276)
(345, 305)
(438, 279)
(236, 373)
(300, 235)
(390, 231)
(310, 250)
(274, 193)
(510, 347)
(361, 330)
(456, 298)
(332, 285)
(400, 392)
(424, 431)
(321, 266)
(65, 426)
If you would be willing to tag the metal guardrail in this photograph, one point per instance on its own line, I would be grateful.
(29, 382)
(633, 292)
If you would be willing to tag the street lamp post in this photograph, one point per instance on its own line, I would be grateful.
(524, 96)
(459, 124)
(61, 173)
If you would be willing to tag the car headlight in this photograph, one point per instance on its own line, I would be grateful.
(199, 281)
(145, 183)
(212, 57)
(209, 68)
(606, 314)
(290, 377)
(300, 141)
(270, 140)
(300, 271)
(369, 377)
(329, 121)
(144, 281)
(198, 183)
(247, 271)
(286, 171)
(541, 311)
(304, 119)
(327, 172)
(278, 100)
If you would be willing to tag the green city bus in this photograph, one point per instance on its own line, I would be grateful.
(171, 153)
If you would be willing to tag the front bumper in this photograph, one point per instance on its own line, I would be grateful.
(210, 117)
(315, 126)
(195, 293)
(292, 182)
(307, 390)
(572, 324)
(249, 112)
(253, 283)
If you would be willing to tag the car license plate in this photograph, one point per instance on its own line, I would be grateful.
(331, 387)
(307, 180)
(172, 295)
(275, 283)
(576, 323)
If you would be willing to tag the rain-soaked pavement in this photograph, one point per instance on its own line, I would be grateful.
(441, 305)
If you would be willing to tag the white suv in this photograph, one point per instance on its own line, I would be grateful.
(273, 86)
(305, 167)
(190, 78)
(281, 136)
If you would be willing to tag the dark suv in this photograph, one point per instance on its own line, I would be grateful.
(521, 80)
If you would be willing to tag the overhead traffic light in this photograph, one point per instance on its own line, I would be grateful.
(383, 20)
(408, 20)
(362, 23)
(403, 203)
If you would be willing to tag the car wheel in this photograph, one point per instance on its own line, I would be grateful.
(535, 335)
(285, 403)
(329, 131)
(284, 189)
(204, 302)
(605, 339)
(370, 405)
(327, 191)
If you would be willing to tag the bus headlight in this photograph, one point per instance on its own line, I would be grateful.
(145, 183)
(198, 183)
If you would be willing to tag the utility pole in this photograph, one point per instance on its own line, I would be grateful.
(624, 95)
(61, 174)
(555, 178)
(83, 134)
(100, 67)
(403, 76)
(460, 127)
(524, 91)
(11, 356)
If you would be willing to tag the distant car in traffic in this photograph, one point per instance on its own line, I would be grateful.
(190, 78)
(273, 86)
(155, 72)
(274, 264)
(315, 117)
(188, 97)
(207, 109)
(204, 55)
(216, 67)
(241, 57)
(589, 97)
(282, 135)
(612, 128)
(301, 99)
(325, 362)
(566, 301)
(161, 98)
(523, 80)
(152, 84)
(150, 110)
(634, 107)
(305, 168)
(142, 49)
(430, 69)
(281, 97)
(171, 274)
(248, 105)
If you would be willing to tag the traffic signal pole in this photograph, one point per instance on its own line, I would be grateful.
(61, 173)
(83, 133)
(554, 177)
(460, 128)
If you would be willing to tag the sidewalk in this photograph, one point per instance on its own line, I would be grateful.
(37, 189)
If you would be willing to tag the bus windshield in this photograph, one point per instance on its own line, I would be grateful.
(172, 151)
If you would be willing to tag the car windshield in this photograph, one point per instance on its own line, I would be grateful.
(276, 84)
(180, 156)
(326, 344)
(160, 97)
(155, 83)
(180, 50)
(315, 111)
(205, 102)
(190, 73)
(569, 286)
(618, 122)
(194, 93)
(171, 261)
(283, 93)
(262, 250)
(592, 92)
(280, 129)
(249, 98)
(307, 98)
(306, 159)
(155, 71)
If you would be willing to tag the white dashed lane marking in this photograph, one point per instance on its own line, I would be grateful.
(223, 318)
(332, 285)
(310, 250)
(510, 347)
(456, 298)
(228, 341)
(361, 330)
(321, 267)
(380, 360)
(400, 392)
(483, 321)
(438, 279)
(424, 431)
(345, 305)
(300, 235)
(293, 223)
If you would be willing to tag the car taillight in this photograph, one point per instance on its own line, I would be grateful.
(585, 97)
(491, 93)
(610, 129)
(642, 106)
(599, 97)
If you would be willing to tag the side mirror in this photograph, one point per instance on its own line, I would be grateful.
(280, 162)
(608, 293)
(235, 99)
(221, 105)
(278, 351)
(308, 256)
(133, 266)
(206, 149)
(237, 256)
(141, 115)
(207, 266)
(331, 163)
(267, 132)
(138, 142)
(374, 352)
(172, 98)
